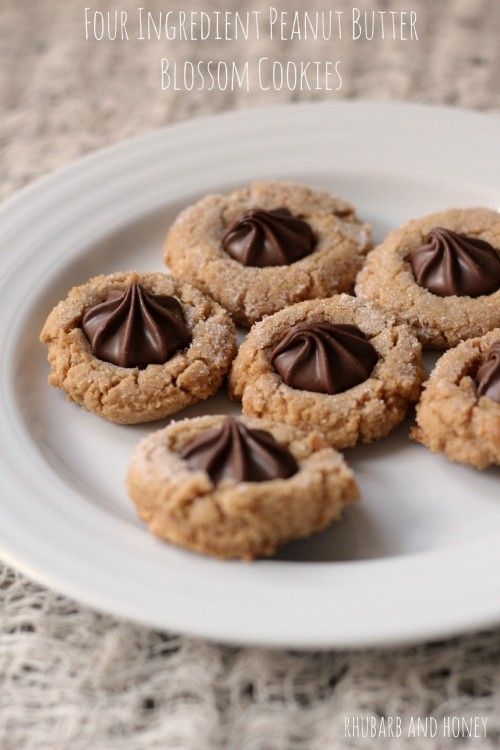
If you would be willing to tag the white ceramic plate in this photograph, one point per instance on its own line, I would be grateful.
(417, 558)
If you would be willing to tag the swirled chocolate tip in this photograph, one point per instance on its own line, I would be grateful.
(488, 375)
(324, 358)
(268, 238)
(449, 264)
(234, 451)
(133, 328)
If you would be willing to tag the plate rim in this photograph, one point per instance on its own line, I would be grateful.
(208, 119)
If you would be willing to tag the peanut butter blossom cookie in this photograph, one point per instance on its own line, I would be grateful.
(338, 365)
(459, 411)
(262, 248)
(134, 348)
(440, 274)
(237, 488)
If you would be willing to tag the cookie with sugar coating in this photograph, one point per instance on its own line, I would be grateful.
(452, 416)
(366, 407)
(459, 251)
(261, 248)
(204, 344)
(222, 515)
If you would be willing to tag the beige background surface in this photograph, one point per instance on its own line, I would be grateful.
(70, 678)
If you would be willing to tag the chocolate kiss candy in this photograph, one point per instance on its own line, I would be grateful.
(448, 263)
(135, 329)
(233, 451)
(488, 375)
(268, 238)
(323, 357)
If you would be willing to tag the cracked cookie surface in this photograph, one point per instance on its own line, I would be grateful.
(129, 395)
(236, 519)
(367, 411)
(451, 418)
(193, 250)
(440, 322)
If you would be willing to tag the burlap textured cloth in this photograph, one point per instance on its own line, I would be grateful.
(71, 678)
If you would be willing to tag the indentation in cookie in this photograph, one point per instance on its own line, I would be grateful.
(268, 238)
(132, 328)
(323, 357)
(234, 451)
(488, 375)
(448, 263)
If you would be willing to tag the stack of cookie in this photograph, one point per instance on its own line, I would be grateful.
(319, 370)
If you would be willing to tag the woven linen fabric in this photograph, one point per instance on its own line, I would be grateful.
(71, 678)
